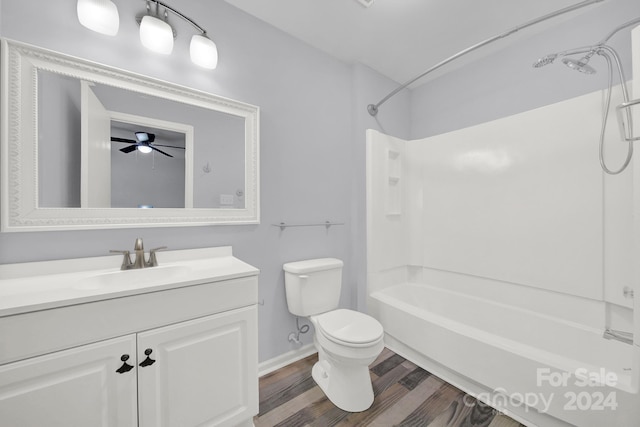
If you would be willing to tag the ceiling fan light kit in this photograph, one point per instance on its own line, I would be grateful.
(145, 137)
(143, 143)
(145, 149)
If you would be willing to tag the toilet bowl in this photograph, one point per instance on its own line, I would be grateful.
(347, 341)
(344, 356)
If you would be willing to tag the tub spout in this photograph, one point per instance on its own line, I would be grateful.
(622, 336)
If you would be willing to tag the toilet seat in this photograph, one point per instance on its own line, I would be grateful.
(349, 328)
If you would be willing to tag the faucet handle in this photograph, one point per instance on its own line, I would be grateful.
(126, 260)
(153, 261)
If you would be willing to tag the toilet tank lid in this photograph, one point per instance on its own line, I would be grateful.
(311, 265)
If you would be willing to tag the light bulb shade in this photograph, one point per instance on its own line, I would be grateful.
(144, 149)
(99, 15)
(203, 52)
(156, 34)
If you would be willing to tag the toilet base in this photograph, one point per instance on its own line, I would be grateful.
(347, 386)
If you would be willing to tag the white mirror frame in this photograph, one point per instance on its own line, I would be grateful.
(19, 209)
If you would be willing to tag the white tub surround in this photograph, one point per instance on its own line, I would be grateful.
(499, 254)
(88, 344)
(540, 369)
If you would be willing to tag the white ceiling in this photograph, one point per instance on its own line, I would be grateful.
(402, 38)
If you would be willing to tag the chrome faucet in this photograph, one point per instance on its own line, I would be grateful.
(140, 261)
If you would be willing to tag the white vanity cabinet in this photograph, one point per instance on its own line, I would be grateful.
(76, 387)
(169, 355)
(192, 373)
(200, 372)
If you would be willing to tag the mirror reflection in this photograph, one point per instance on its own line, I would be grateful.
(75, 134)
(147, 167)
(101, 146)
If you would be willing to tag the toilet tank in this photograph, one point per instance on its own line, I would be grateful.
(313, 286)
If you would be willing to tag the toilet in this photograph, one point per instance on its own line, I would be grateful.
(347, 341)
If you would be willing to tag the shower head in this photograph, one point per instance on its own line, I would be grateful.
(545, 60)
(581, 64)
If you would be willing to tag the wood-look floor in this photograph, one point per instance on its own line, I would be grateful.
(405, 395)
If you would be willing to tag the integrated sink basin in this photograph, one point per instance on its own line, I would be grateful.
(134, 278)
(44, 285)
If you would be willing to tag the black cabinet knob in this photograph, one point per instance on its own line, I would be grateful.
(148, 361)
(125, 366)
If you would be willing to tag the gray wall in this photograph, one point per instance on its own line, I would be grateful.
(505, 83)
(308, 160)
(313, 118)
(60, 141)
(218, 140)
(151, 179)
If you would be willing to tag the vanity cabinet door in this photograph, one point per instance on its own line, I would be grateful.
(78, 387)
(201, 372)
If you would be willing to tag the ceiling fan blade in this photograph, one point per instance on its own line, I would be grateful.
(160, 151)
(170, 146)
(128, 141)
(129, 148)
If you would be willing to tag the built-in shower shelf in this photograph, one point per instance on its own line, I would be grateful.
(394, 190)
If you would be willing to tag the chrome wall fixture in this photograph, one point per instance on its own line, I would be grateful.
(624, 110)
(327, 224)
(373, 108)
(156, 33)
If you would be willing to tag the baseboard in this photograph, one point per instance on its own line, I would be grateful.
(285, 359)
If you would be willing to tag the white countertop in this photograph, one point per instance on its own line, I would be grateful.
(33, 286)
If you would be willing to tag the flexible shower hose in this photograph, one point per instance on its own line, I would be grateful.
(605, 114)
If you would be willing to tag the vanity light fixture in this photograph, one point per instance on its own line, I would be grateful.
(157, 34)
(203, 51)
(99, 15)
(366, 3)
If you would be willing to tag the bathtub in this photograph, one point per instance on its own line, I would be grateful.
(541, 370)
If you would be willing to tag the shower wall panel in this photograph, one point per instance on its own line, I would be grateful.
(387, 217)
(635, 283)
(519, 199)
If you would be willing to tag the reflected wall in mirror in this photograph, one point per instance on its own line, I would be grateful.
(105, 143)
(147, 167)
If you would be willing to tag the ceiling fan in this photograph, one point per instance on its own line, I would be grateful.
(143, 143)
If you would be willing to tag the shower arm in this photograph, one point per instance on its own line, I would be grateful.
(578, 50)
(373, 108)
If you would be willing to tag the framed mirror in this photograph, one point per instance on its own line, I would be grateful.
(88, 146)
